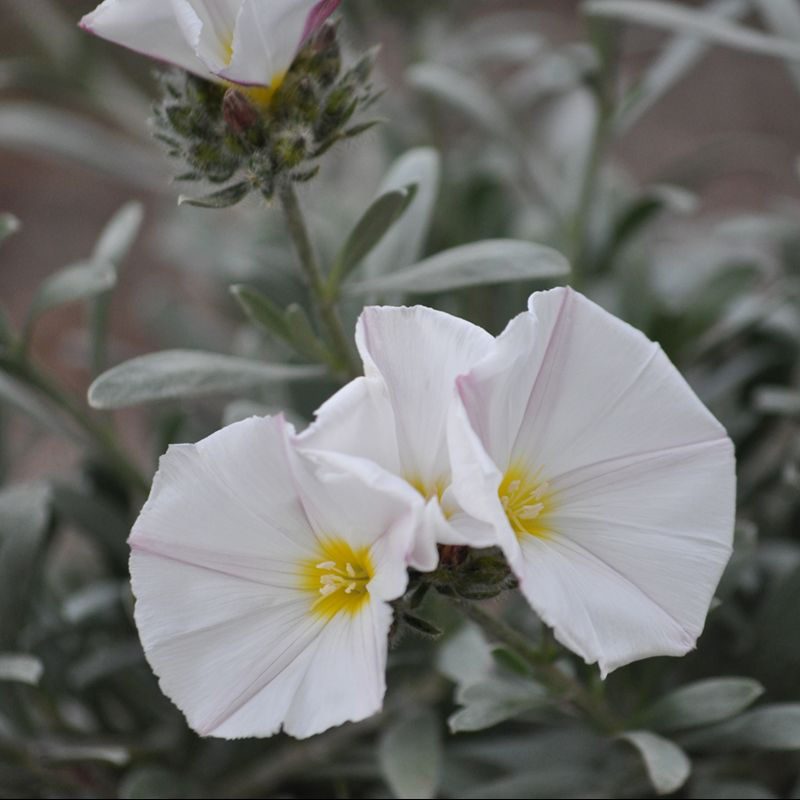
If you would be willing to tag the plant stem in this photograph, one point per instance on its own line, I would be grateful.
(312, 274)
(101, 436)
(547, 673)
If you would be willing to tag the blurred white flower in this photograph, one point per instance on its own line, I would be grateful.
(248, 42)
(262, 577)
(397, 414)
(609, 485)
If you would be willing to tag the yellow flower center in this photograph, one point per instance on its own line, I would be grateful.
(260, 96)
(339, 578)
(527, 501)
(429, 489)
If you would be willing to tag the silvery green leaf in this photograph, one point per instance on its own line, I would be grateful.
(20, 667)
(301, 334)
(376, 221)
(480, 263)
(95, 599)
(403, 243)
(703, 703)
(145, 782)
(730, 790)
(24, 516)
(29, 127)
(410, 754)
(173, 374)
(76, 282)
(771, 727)
(462, 94)
(8, 224)
(119, 234)
(465, 657)
(261, 310)
(222, 198)
(494, 700)
(72, 751)
(777, 400)
(678, 58)
(776, 646)
(698, 23)
(782, 17)
(668, 767)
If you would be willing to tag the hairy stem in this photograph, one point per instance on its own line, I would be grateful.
(547, 673)
(312, 274)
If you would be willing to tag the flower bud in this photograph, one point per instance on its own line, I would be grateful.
(238, 112)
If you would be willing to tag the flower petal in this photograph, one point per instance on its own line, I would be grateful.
(637, 549)
(370, 507)
(357, 420)
(637, 475)
(219, 568)
(639, 401)
(208, 26)
(418, 352)
(227, 652)
(146, 26)
(346, 680)
(236, 481)
(265, 40)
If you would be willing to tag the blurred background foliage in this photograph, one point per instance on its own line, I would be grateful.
(654, 144)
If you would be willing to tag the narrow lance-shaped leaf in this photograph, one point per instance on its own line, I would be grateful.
(20, 667)
(186, 373)
(301, 333)
(261, 310)
(24, 515)
(494, 700)
(463, 95)
(76, 282)
(368, 231)
(667, 765)
(490, 261)
(782, 17)
(119, 234)
(772, 727)
(700, 23)
(675, 61)
(29, 127)
(703, 703)
(8, 224)
(410, 754)
(403, 243)
(229, 196)
(111, 247)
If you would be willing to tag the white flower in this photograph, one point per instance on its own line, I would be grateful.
(610, 486)
(262, 577)
(249, 42)
(397, 414)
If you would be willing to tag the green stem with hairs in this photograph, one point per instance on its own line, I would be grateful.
(547, 673)
(312, 274)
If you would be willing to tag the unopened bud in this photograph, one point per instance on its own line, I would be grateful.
(238, 111)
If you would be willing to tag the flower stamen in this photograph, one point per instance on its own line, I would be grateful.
(340, 581)
(527, 501)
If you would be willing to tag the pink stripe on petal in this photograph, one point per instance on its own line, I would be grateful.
(318, 15)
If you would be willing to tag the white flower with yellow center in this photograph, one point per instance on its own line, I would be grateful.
(246, 42)
(262, 576)
(609, 485)
(396, 415)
